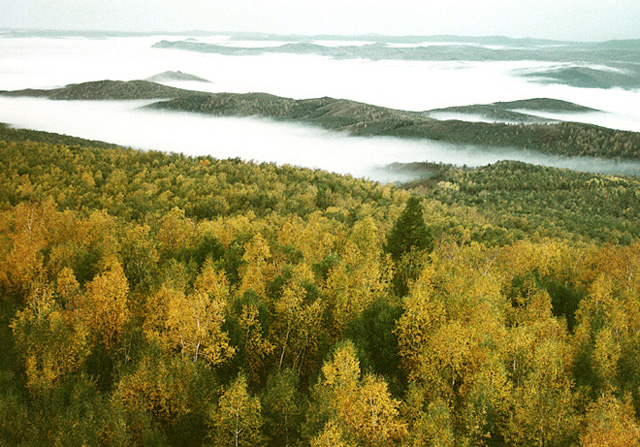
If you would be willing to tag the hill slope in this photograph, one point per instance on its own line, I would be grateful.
(106, 90)
(565, 138)
(573, 139)
(513, 111)
(168, 76)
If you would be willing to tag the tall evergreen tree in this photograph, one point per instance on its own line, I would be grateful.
(409, 231)
(408, 240)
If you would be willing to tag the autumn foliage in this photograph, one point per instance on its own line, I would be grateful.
(150, 299)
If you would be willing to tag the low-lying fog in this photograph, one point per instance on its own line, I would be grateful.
(40, 62)
(410, 85)
(122, 122)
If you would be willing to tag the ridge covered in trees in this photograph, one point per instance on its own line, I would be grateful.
(105, 90)
(514, 111)
(562, 138)
(524, 199)
(157, 299)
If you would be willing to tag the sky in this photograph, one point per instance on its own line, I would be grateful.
(579, 20)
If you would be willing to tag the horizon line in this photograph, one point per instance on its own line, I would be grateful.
(316, 35)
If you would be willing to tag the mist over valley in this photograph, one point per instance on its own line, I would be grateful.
(344, 68)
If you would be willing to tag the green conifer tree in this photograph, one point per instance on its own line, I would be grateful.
(409, 231)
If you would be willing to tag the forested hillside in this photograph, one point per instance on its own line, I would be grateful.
(524, 131)
(515, 111)
(105, 90)
(524, 200)
(152, 299)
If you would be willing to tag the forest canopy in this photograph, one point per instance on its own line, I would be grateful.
(157, 299)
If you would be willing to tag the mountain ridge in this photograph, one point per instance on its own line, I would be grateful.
(105, 90)
(361, 119)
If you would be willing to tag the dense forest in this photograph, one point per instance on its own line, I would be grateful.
(152, 299)
(520, 200)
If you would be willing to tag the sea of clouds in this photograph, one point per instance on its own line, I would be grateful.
(39, 62)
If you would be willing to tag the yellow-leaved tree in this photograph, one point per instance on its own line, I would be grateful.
(194, 321)
(21, 257)
(297, 324)
(543, 408)
(376, 420)
(256, 347)
(237, 419)
(176, 232)
(331, 436)
(361, 276)
(254, 274)
(51, 343)
(103, 308)
(358, 411)
(610, 423)
(423, 315)
(602, 332)
(433, 427)
(191, 323)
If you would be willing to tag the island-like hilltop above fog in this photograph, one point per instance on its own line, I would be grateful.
(520, 127)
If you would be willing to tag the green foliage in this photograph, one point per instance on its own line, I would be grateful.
(517, 199)
(373, 334)
(283, 408)
(407, 242)
(409, 231)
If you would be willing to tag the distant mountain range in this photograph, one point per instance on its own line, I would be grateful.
(592, 65)
(587, 77)
(609, 64)
(374, 37)
(467, 49)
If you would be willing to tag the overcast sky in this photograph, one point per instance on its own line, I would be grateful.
(552, 19)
